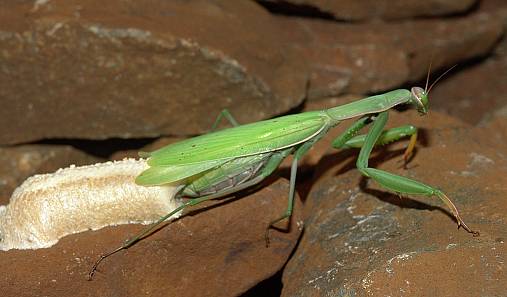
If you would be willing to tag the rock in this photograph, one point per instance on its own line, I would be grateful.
(475, 93)
(217, 252)
(19, 162)
(339, 67)
(374, 57)
(351, 10)
(497, 129)
(95, 70)
(361, 240)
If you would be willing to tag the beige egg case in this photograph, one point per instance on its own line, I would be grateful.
(47, 207)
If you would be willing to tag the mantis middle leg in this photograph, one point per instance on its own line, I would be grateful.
(224, 114)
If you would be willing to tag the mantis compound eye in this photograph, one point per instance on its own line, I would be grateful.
(420, 99)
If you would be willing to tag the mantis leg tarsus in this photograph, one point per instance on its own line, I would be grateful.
(455, 212)
(397, 183)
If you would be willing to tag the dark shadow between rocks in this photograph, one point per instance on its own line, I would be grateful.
(100, 148)
(295, 10)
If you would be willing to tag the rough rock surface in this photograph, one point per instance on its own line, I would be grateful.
(139, 68)
(353, 10)
(360, 240)
(475, 93)
(20, 162)
(369, 58)
(217, 252)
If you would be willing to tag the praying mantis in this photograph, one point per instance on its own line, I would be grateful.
(220, 163)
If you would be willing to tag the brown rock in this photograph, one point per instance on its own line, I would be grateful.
(475, 93)
(374, 9)
(17, 163)
(95, 69)
(217, 252)
(338, 66)
(374, 57)
(361, 240)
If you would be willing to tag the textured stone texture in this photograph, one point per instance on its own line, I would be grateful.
(363, 241)
(95, 69)
(353, 10)
(474, 93)
(217, 252)
(369, 58)
(19, 162)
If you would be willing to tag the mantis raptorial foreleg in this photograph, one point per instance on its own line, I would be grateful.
(348, 139)
(396, 183)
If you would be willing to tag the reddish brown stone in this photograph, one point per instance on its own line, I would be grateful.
(474, 94)
(95, 69)
(17, 163)
(360, 239)
(374, 57)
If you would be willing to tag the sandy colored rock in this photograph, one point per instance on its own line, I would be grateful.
(17, 163)
(361, 240)
(219, 251)
(94, 69)
(352, 10)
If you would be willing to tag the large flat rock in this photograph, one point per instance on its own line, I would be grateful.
(95, 70)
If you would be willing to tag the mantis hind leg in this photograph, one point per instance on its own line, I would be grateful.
(270, 166)
(227, 115)
(149, 230)
(396, 183)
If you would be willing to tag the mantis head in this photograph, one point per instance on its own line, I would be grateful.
(419, 98)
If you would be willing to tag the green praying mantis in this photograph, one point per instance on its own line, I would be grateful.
(227, 161)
